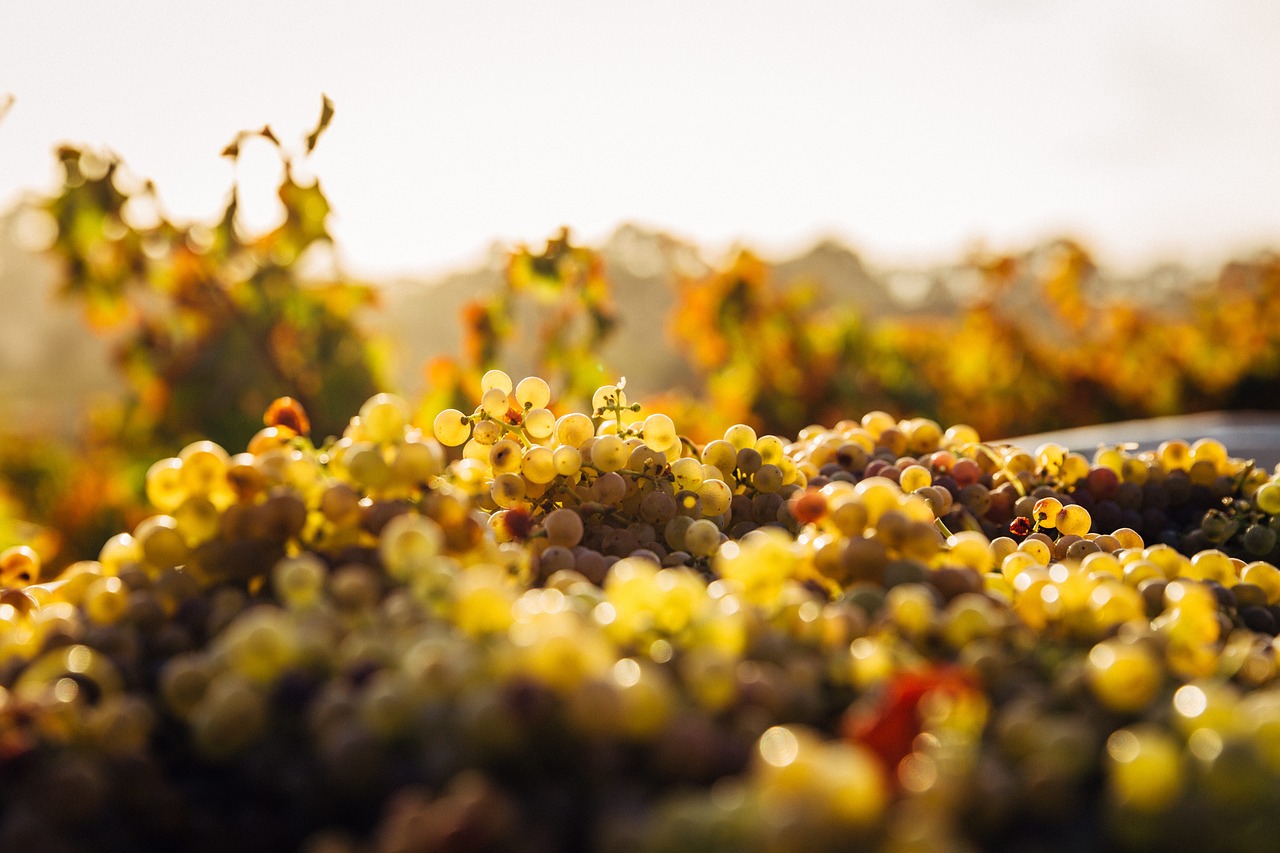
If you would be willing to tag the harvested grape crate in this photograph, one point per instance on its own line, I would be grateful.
(512, 630)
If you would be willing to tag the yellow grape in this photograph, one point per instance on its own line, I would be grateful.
(533, 392)
(574, 429)
(451, 427)
(495, 379)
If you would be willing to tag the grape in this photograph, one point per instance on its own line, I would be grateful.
(538, 465)
(299, 581)
(607, 397)
(1124, 676)
(574, 429)
(567, 460)
(563, 527)
(539, 423)
(495, 379)
(165, 485)
(20, 565)
(204, 467)
(385, 417)
(1045, 512)
(508, 490)
(1267, 498)
(505, 456)
(159, 542)
(767, 478)
(495, 403)
(720, 454)
(451, 428)
(659, 431)
(366, 465)
(1145, 768)
(715, 496)
(533, 393)
(609, 453)
(486, 431)
(609, 488)
(415, 462)
(1073, 519)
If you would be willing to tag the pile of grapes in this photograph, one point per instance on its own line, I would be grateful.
(518, 631)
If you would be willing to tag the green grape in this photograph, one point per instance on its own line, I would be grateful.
(771, 449)
(567, 460)
(701, 538)
(1265, 576)
(1144, 769)
(230, 716)
(505, 456)
(477, 452)
(366, 465)
(20, 565)
(1045, 512)
(1260, 539)
(106, 600)
(740, 436)
(495, 403)
(384, 417)
(299, 581)
(507, 490)
(538, 465)
(574, 429)
(118, 552)
(607, 397)
(164, 484)
(409, 543)
(198, 520)
(486, 431)
(1267, 498)
(1125, 677)
(451, 428)
(204, 467)
(687, 473)
(912, 608)
(720, 454)
(914, 477)
(1073, 519)
(533, 393)
(416, 461)
(609, 453)
(1174, 455)
(563, 527)
(495, 379)
(673, 532)
(748, 461)
(715, 496)
(659, 431)
(539, 424)
(160, 543)
(767, 478)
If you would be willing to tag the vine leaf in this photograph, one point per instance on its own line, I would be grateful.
(326, 116)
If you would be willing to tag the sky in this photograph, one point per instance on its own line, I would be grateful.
(911, 130)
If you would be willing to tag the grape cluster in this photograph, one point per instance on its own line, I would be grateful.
(537, 629)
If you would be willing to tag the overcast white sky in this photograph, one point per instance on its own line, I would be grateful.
(910, 129)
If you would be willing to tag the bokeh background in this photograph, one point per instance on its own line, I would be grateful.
(1022, 216)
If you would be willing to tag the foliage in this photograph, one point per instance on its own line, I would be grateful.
(1040, 347)
(553, 312)
(208, 325)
